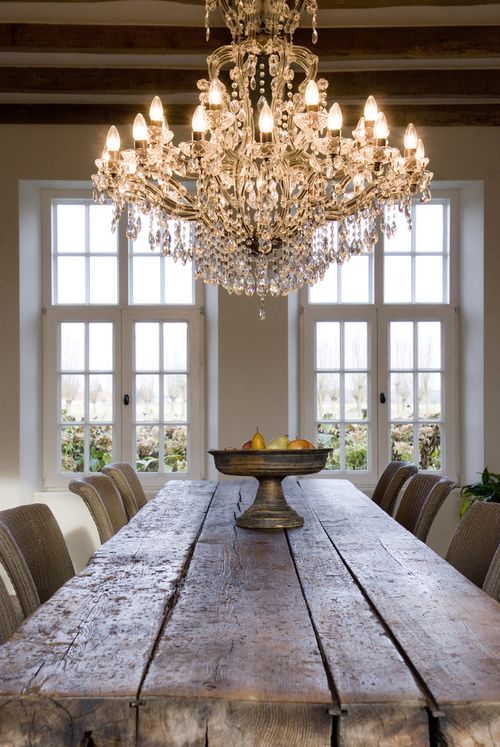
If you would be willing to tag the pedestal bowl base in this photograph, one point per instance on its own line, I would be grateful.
(269, 509)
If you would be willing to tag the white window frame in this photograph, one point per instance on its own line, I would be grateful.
(123, 316)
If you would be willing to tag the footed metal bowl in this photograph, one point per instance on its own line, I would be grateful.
(270, 509)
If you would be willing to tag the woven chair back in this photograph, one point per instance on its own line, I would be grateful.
(476, 541)
(8, 622)
(415, 494)
(492, 581)
(128, 484)
(393, 487)
(431, 506)
(35, 531)
(103, 503)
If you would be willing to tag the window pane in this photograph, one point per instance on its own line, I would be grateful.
(429, 344)
(355, 280)
(356, 447)
(401, 345)
(402, 443)
(101, 397)
(175, 448)
(325, 291)
(141, 244)
(429, 446)
(429, 280)
(175, 346)
(356, 407)
(72, 397)
(401, 396)
(175, 397)
(100, 446)
(429, 228)
(103, 280)
(329, 438)
(328, 396)
(147, 448)
(429, 395)
(72, 448)
(101, 346)
(147, 346)
(70, 280)
(401, 240)
(397, 280)
(72, 346)
(356, 345)
(328, 345)
(70, 234)
(178, 282)
(147, 397)
(101, 238)
(146, 280)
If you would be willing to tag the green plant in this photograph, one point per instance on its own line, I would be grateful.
(487, 489)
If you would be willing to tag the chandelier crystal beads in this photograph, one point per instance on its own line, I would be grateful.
(273, 189)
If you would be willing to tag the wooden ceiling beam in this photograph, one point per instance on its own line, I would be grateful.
(341, 4)
(425, 115)
(342, 84)
(408, 42)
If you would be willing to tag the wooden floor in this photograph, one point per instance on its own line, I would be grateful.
(188, 631)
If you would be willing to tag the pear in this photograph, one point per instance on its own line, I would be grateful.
(280, 442)
(257, 441)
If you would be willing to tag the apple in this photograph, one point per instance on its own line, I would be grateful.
(247, 444)
(301, 443)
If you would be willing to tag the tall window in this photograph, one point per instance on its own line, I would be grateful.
(378, 355)
(123, 356)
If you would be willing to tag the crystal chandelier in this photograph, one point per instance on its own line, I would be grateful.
(273, 189)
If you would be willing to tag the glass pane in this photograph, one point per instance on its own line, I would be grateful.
(329, 438)
(356, 407)
(328, 396)
(175, 397)
(147, 397)
(401, 345)
(147, 440)
(355, 280)
(70, 280)
(72, 346)
(325, 291)
(356, 447)
(355, 345)
(100, 346)
(101, 446)
(429, 280)
(429, 228)
(401, 240)
(397, 280)
(101, 397)
(72, 446)
(141, 244)
(402, 443)
(103, 280)
(429, 446)
(178, 281)
(175, 346)
(429, 344)
(70, 233)
(175, 459)
(429, 395)
(101, 237)
(146, 280)
(72, 397)
(328, 345)
(147, 346)
(401, 396)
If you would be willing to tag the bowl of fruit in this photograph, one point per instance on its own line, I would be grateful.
(270, 464)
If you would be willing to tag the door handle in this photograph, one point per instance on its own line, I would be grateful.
(126, 399)
(382, 398)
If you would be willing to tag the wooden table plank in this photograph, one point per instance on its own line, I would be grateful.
(381, 701)
(447, 627)
(238, 662)
(74, 668)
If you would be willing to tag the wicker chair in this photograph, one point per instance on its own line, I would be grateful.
(390, 483)
(8, 622)
(492, 581)
(422, 499)
(104, 503)
(128, 485)
(476, 541)
(34, 553)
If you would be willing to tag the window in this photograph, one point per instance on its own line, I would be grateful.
(378, 353)
(123, 362)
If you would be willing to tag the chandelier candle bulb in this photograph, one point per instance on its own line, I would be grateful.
(312, 97)
(410, 140)
(266, 123)
(334, 122)
(215, 96)
(140, 132)
(199, 123)
(156, 111)
(113, 143)
(420, 151)
(381, 130)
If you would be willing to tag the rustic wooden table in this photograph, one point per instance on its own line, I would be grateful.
(186, 631)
